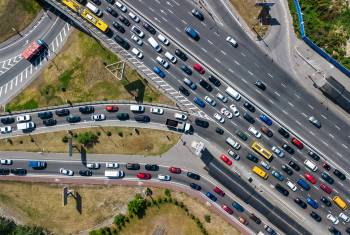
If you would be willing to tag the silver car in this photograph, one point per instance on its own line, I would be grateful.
(315, 122)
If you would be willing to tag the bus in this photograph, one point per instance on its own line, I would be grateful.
(86, 14)
(73, 5)
(259, 148)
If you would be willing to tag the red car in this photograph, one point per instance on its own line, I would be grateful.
(326, 188)
(144, 176)
(199, 68)
(219, 191)
(310, 178)
(175, 170)
(226, 159)
(227, 209)
(112, 108)
(297, 143)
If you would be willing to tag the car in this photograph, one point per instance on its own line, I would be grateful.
(255, 132)
(136, 39)
(180, 116)
(149, 28)
(193, 175)
(195, 186)
(157, 110)
(219, 131)
(118, 27)
(297, 143)
(124, 44)
(23, 118)
(189, 83)
(219, 191)
(347, 230)
(282, 190)
(159, 72)
(201, 123)
(186, 70)
(310, 178)
(214, 80)
(211, 196)
(175, 170)
(206, 85)
(73, 119)
(184, 91)
(315, 122)
(344, 217)
(326, 188)
(265, 164)
(45, 115)
(85, 172)
(219, 118)
(170, 57)
(294, 165)
(124, 20)
(62, 112)
(137, 31)
(249, 106)
(326, 201)
(50, 122)
(111, 11)
(315, 216)
(151, 167)
(64, 171)
(132, 166)
(181, 55)
(300, 202)
(222, 98)
(86, 109)
(137, 52)
(312, 202)
(199, 68)
(5, 129)
(7, 120)
(252, 158)
(333, 219)
(93, 165)
(199, 102)
(111, 108)
(122, 116)
(231, 41)
(163, 39)
(234, 110)
(265, 119)
(192, 33)
(279, 152)
(327, 178)
(121, 6)
(289, 149)
(233, 154)
(4, 171)
(113, 165)
(134, 17)
(255, 218)
(164, 177)
(269, 230)
(303, 184)
(225, 159)
(292, 186)
(339, 174)
(196, 13)
(266, 131)
(210, 100)
(326, 166)
(6, 162)
(277, 175)
(144, 176)
(162, 62)
(98, 117)
(260, 85)
(142, 118)
(248, 118)
(333, 230)
(237, 206)
(18, 171)
(242, 135)
(243, 220)
(286, 169)
(313, 155)
(227, 209)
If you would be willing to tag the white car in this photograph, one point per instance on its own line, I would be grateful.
(157, 110)
(233, 42)
(93, 165)
(234, 110)
(98, 117)
(66, 172)
(163, 39)
(292, 186)
(137, 53)
(265, 164)
(121, 6)
(137, 31)
(164, 177)
(254, 131)
(219, 118)
(23, 118)
(221, 97)
(170, 57)
(6, 162)
(227, 113)
(112, 165)
(233, 155)
(137, 40)
(162, 62)
(278, 151)
(210, 100)
(333, 219)
(134, 17)
(180, 116)
(344, 217)
(5, 129)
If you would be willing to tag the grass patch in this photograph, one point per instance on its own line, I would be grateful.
(17, 14)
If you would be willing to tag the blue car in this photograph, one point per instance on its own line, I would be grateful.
(312, 202)
(237, 206)
(190, 31)
(278, 175)
(265, 119)
(158, 71)
(199, 102)
(211, 196)
(303, 184)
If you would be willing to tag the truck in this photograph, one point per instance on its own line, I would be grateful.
(178, 126)
(37, 164)
(33, 49)
(25, 126)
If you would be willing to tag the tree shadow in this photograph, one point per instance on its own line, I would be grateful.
(265, 16)
(136, 89)
(78, 202)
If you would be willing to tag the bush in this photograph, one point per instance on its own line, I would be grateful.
(120, 133)
(176, 202)
(167, 193)
(109, 133)
(65, 139)
(160, 200)
(88, 139)
(98, 133)
(137, 206)
(207, 218)
(21, 141)
(119, 220)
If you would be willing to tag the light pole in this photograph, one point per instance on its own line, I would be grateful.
(16, 31)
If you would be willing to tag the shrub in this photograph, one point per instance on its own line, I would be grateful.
(65, 139)
(160, 200)
(119, 220)
(207, 218)
(109, 133)
(167, 193)
(137, 206)
(88, 139)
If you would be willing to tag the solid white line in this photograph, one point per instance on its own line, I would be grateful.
(61, 36)
(223, 52)
(304, 114)
(231, 71)
(297, 96)
(6, 88)
(284, 85)
(1, 90)
(345, 146)
(11, 84)
(243, 54)
(331, 135)
(272, 102)
(203, 49)
(16, 80)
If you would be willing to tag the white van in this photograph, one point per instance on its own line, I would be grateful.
(25, 126)
(137, 108)
(170, 57)
(94, 9)
(163, 39)
(233, 143)
(309, 164)
(233, 93)
(154, 44)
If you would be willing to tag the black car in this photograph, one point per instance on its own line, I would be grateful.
(283, 132)
(326, 201)
(124, 20)
(7, 120)
(255, 218)
(45, 115)
(339, 174)
(195, 186)
(97, 2)
(205, 85)
(118, 27)
(85, 172)
(86, 109)
(289, 149)
(248, 118)
(151, 167)
(333, 230)
(300, 203)
(219, 131)
(314, 155)
(186, 70)
(201, 123)
(242, 135)
(214, 80)
(252, 158)
(193, 176)
(110, 1)
(50, 122)
(286, 169)
(19, 171)
(62, 112)
(294, 165)
(122, 42)
(133, 166)
(111, 11)
(122, 116)
(315, 216)
(249, 107)
(73, 119)
(260, 85)
(184, 91)
(149, 28)
(196, 13)
(142, 118)
(282, 190)
(4, 171)
(347, 230)
(327, 178)
(181, 55)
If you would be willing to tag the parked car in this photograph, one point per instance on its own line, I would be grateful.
(300, 203)
(5, 129)
(66, 172)
(124, 20)
(327, 178)
(339, 174)
(85, 172)
(260, 85)
(277, 175)
(50, 122)
(201, 123)
(279, 152)
(111, 108)
(199, 68)
(164, 177)
(184, 91)
(157, 110)
(211, 196)
(144, 176)
(286, 169)
(249, 106)
(149, 28)
(294, 165)
(93, 165)
(266, 131)
(283, 132)
(313, 155)
(248, 118)
(180, 54)
(282, 190)
(255, 132)
(214, 80)
(289, 149)
(193, 175)
(159, 72)
(195, 186)
(225, 159)
(206, 85)
(219, 191)
(73, 119)
(297, 143)
(265, 119)
(7, 120)
(122, 116)
(252, 158)
(98, 117)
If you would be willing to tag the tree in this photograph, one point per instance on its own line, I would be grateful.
(88, 139)
(137, 206)
(167, 193)
(119, 220)
(207, 218)
(7, 226)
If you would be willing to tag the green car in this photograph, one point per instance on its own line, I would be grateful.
(123, 116)
(73, 119)
(242, 135)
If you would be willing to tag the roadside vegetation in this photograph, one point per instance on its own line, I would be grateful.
(16, 15)
(8, 226)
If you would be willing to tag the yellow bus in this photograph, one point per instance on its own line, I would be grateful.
(257, 170)
(259, 148)
(73, 5)
(94, 20)
(340, 202)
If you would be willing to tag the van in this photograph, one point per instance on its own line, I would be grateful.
(340, 202)
(303, 184)
(26, 126)
(154, 44)
(257, 170)
(192, 33)
(94, 9)
(233, 93)
(137, 108)
(233, 143)
(170, 57)
(309, 164)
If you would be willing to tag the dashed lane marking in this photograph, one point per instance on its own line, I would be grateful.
(270, 75)
(324, 116)
(277, 93)
(311, 107)
(236, 62)
(250, 73)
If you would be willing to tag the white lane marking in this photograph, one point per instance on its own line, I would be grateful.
(243, 54)
(231, 71)
(11, 84)
(1, 90)
(272, 102)
(285, 112)
(163, 12)
(177, 29)
(183, 21)
(57, 44)
(312, 133)
(210, 42)
(31, 69)
(236, 62)
(256, 65)
(291, 104)
(310, 106)
(337, 127)
(277, 93)
(297, 96)
(151, 9)
(164, 19)
(170, 11)
(324, 142)
(250, 73)
(245, 81)
(298, 122)
(16, 80)
(345, 146)
(223, 52)
(61, 38)
(304, 114)
(339, 154)
(324, 116)
(217, 60)
(176, 3)
(331, 135)
(203, 49)
(156, 19)
(6, 88)
(284, 85)
(270, 75)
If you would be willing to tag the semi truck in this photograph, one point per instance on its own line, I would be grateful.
(179, 126)
(33, 49)
(37, 164)
(26, 126)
